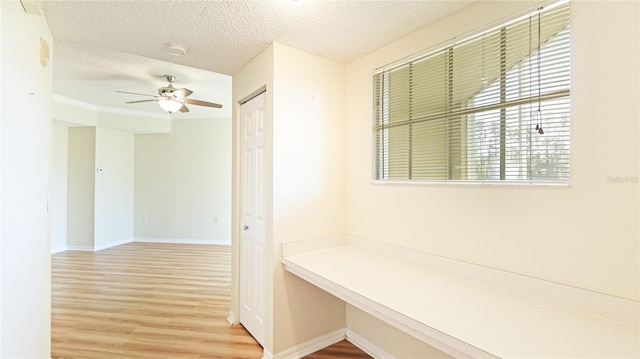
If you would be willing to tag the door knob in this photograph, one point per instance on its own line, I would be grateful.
(245, 227)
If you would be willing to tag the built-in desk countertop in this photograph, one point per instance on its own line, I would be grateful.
(464, 317)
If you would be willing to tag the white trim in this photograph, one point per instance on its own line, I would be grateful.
(80, 248)
(266, 354)
(122, 111)
(366, 346)
(92, 107)
(311, 346)
(112, 244)
(220, 242)
(232, 318)
(58, 249)
(143, 240)
(470, 183)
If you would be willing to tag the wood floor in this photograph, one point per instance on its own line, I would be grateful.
(147, 300)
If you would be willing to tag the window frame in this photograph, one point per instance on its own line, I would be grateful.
(378, 162)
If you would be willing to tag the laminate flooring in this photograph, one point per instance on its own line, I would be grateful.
(150, 300)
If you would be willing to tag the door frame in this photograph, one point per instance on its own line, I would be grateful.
(236, 207)
(253, 236)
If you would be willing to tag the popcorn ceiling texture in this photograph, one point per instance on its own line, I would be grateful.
(95, 39)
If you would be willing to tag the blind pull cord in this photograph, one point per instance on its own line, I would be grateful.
(539, 114)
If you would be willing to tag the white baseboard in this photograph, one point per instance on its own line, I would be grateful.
(142, 240)
(220, 242)
(309, 347)
(366, 346)
(232, 318)
(266, 354)
(80, 248)
(58, 249)
(112, 244)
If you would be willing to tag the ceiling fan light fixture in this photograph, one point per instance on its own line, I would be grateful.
(176, 49)
(170, 105)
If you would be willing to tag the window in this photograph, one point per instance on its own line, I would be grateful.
(494, 107)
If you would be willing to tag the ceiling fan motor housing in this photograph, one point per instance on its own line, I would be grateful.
(166, 91)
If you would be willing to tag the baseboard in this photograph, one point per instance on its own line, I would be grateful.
(112, 244)
(142, 240)
(80, 248)
(59, 249)
(309, 347)
(220, 242)
(366, 346)
(266, 354)
(232, 318)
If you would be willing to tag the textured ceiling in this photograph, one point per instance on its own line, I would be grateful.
(102, 46)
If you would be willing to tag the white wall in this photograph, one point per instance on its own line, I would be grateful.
(26, 147)
(99, 206)
(183, 183)
(81, 188)
(585, 235)
(59, 188)
(113, 217)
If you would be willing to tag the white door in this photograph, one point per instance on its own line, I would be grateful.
(252, 239)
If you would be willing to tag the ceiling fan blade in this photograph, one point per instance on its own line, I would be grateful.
(182, 93)
(135, 93)
(202, 103)
(139, 101)
(183, 108)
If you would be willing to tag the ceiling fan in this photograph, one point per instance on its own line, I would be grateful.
(172, 99)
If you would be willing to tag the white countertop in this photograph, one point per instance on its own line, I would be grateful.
(468, 313)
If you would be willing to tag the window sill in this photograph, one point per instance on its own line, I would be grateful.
(522, 184)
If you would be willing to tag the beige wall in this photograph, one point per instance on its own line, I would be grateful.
(304, 169)
(396, 343)
(59, 188)
(183, 182)
(256, 75)
(25, 146)
(1, 202)
(81, 187)
(585, 235)
(308, 185)
(113, 217)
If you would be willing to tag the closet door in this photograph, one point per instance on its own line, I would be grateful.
(252, 239)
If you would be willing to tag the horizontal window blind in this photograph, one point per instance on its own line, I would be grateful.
(492, 107)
